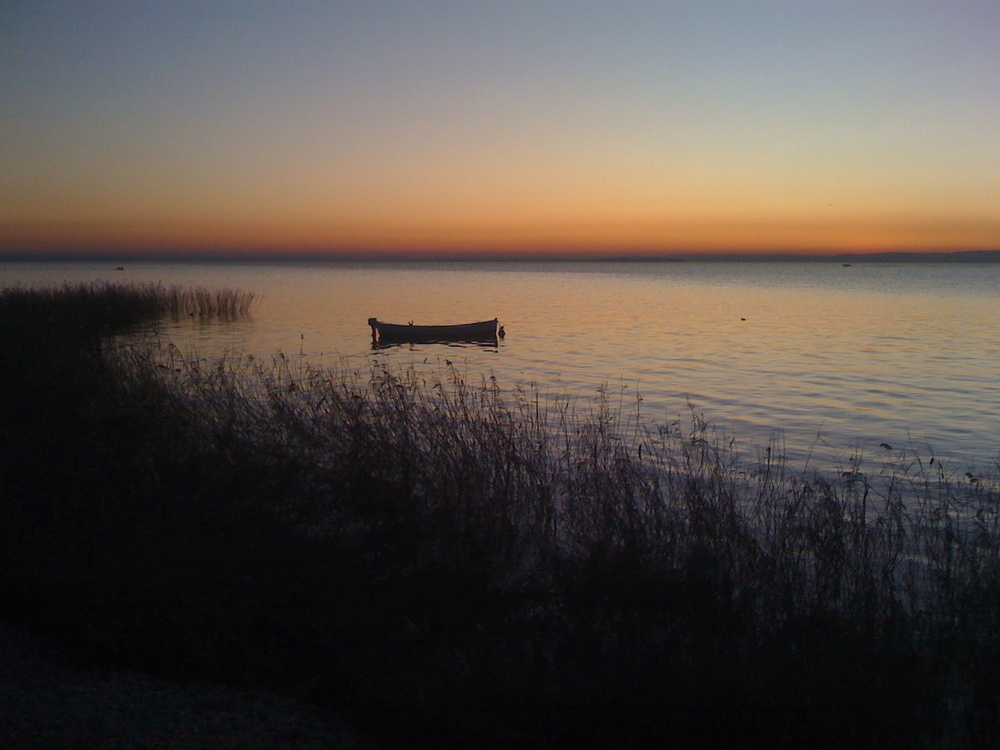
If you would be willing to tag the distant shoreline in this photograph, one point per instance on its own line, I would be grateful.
(961, 256)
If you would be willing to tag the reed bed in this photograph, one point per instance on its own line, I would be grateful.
(224, 304)
(461, 565)
(105, 308)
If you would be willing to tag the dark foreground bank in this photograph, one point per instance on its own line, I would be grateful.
(49, 703)
(452, 565)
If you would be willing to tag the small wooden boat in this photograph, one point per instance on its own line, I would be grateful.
(487, 331)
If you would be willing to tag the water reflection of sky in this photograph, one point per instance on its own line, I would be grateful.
(828, 355)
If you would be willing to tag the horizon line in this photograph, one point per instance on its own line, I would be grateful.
(981, 255)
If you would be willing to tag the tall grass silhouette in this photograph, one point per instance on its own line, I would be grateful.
(105, 307)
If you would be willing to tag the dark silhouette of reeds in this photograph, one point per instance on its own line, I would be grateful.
(225, 304)
(458, 566)
(106, 308)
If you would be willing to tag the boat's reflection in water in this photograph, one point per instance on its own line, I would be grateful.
(419, 346)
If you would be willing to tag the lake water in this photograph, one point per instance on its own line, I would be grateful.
(825, 358)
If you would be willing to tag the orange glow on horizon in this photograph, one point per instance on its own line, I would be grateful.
(570, 238)
(504, 131)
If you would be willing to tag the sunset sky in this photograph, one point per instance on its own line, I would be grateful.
(504, 128)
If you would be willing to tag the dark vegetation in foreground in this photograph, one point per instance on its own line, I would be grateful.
(452, 565)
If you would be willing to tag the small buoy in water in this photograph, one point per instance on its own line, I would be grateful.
(742, 318)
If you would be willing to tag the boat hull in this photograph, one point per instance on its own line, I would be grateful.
(394, 333)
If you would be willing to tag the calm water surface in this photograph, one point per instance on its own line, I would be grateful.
(823, 357)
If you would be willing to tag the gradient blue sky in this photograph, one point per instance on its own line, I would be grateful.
(575, 127)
